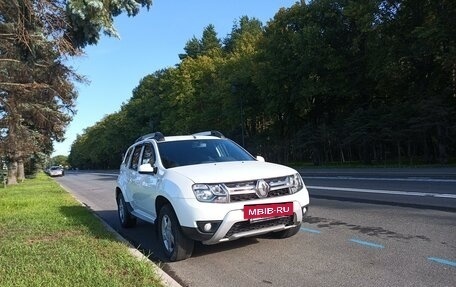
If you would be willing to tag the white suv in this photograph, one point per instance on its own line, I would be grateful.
(205, 187)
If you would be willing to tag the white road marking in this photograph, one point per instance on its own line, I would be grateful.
(417, 179)
(393, 192)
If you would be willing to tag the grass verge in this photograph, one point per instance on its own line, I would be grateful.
(48, 239)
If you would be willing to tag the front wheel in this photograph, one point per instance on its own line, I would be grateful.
(287, 232)
(174, 243)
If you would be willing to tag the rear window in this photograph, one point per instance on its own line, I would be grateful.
(190, 152)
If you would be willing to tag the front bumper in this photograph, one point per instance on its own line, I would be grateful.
(56, 173)
(234, 226)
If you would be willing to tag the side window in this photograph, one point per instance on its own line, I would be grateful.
(148, 154)
(127, 156)
(135, 157)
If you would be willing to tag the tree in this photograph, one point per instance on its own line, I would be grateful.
(209, 42)
(59, 160)
(192, 49)
(244, 35)
(36, 87)
(246, 113)
(36, 95)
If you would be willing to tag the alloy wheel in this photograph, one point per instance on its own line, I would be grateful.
(121, 210)
(167, 233)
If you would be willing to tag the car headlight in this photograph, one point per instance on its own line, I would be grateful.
(211, 193)
(295, 183)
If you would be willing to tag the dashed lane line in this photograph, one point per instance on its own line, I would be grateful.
(367, 243)
(443, 261)
(379, 246)
(414, 179)
(304, 229)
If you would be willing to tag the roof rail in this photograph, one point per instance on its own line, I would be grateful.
(158, 136)
(210, 133)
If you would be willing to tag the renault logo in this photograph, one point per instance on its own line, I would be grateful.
(262, 189)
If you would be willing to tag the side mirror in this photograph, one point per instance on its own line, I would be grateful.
(260, 158)
(147, 169)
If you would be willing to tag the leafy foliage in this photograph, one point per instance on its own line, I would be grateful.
(59, 160)
(37, 94)
(327, 81)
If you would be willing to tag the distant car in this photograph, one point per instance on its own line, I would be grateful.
(205, 187)
(56, 171)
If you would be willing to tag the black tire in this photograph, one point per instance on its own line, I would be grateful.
(287, 232)
(175, 245)
(126, 219)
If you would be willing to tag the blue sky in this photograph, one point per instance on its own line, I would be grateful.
(149, 42)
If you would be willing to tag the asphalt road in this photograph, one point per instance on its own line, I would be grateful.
(342, 243)
(426, 187)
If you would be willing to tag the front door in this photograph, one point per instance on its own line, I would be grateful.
(147, 190)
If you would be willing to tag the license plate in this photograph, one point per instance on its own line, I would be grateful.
(268, 210)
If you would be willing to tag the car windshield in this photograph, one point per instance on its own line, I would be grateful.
(55, 168)
(189, 152)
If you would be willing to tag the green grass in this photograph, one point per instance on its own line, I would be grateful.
(48, 239)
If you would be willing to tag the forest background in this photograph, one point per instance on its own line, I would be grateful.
(371, 82)
(324, 81)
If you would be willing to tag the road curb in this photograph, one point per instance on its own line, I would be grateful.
(166, 279)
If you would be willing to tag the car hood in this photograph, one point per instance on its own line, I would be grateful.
(232, 171)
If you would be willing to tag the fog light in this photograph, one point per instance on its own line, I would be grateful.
(304, 210)
(207, 227)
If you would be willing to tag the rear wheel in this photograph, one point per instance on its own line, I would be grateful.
(287, 232)
(174, 243)
(125, 217)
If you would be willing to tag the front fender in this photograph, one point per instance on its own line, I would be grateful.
(175, 185)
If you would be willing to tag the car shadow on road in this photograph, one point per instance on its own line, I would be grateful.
(105, 179)
(144, 235)
(99, 176)
(202, 250)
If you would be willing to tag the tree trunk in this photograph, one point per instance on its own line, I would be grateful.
(426, 156)
(316, 155)
(443, 155)
(20, 171)
(342, 157)
(374, 152)
(12, 172)
(366, 152)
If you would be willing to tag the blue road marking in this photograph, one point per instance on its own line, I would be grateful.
(443, 261)
(366, 243)
(310, 230)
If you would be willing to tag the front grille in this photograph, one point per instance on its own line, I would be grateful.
(243, 197)
(252, 196)
(279, 192)
(247, 225)
(246, 190)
